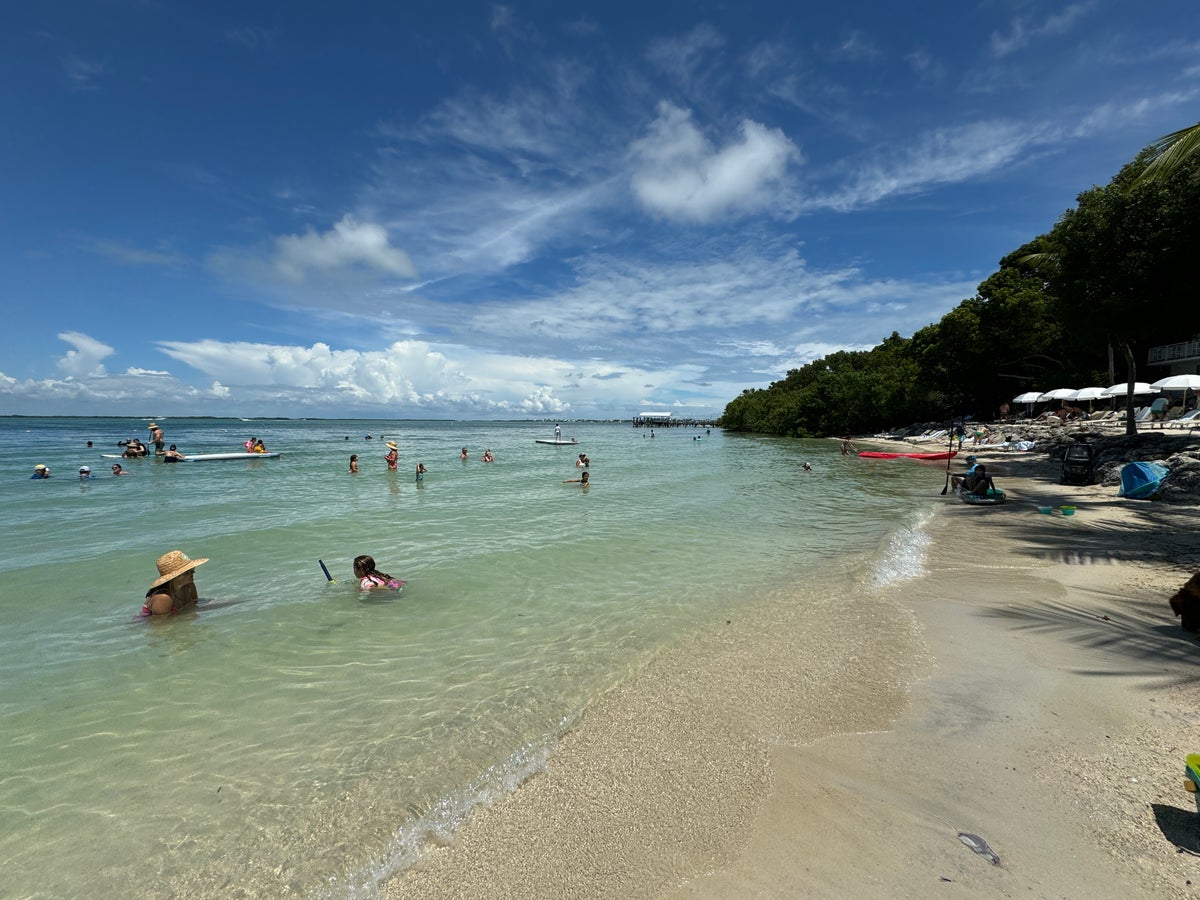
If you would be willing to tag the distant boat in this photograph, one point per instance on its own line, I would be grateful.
(558, 442)
(879, 454)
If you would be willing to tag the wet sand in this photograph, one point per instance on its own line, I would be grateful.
(1032, 689)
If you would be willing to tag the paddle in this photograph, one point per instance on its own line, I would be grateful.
(949, 457)
(329, 577)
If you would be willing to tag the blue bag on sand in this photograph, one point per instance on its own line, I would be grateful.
(1140, 480)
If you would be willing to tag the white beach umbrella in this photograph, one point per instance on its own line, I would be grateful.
(1089, 394)
(1027, 397)
(1058, 394)
(1183, 383)
(1139, 387)
(1178, 383)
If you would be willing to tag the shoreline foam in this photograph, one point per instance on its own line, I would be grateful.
(1054, 725)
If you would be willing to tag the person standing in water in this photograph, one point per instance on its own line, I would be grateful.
(421, 470)
(175, 588)
(393, 456)
(353, 463)
(156, 435)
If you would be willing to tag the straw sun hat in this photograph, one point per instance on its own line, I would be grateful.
(172, 565)
(392, 445)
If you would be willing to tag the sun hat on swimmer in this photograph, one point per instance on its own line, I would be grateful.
(173, 564)
(39, 467)
(392, 445)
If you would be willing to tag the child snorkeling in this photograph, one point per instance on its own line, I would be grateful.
(370, 578)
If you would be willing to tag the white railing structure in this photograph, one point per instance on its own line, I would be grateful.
(1174, 352)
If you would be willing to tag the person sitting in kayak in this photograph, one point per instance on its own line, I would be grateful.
(958, 479)
(979, 483)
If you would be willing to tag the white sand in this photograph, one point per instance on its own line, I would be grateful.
(1033, 689)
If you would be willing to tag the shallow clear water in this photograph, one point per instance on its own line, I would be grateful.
(296, 735)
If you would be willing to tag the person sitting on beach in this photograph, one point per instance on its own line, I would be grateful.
(583, 480)
(370, 578)
(172, 455)
(979, 483)
(117, 470)
(175, 588)
(487, 456)
(583, 462)
(353, 463)
(40, 471)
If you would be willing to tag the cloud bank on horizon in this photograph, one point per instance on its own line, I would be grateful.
(501, 212)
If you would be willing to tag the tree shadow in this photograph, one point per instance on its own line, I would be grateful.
(1156, 535)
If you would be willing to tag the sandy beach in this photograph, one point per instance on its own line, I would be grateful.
(1032, 689)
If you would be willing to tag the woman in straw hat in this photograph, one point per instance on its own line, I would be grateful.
(175, 587)
(393, 456)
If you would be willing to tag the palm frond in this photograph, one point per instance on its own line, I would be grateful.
(1169, 152)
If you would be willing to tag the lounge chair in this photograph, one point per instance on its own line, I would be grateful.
(929, 436)
(1187, 420)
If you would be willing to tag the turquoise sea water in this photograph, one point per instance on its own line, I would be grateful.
(296, 737)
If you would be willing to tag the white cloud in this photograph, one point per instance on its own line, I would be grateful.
(82, 74)
(1022, 32)
(680, 175)
(1108, 116)
(87, 357)
(942, 156)
(684, 56)
(136, 256)
(348, 243)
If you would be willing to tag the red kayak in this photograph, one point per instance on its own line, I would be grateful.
(879, 454)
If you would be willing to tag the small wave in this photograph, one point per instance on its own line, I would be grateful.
(444, 819)
(903, 555)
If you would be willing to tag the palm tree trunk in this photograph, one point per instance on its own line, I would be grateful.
(1130, 422)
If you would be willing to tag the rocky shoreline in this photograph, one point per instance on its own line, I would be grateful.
(1178, 450)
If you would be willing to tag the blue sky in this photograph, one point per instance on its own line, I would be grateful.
(575, 210)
